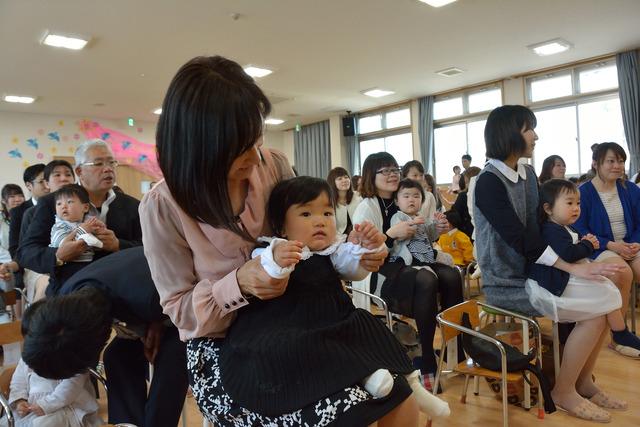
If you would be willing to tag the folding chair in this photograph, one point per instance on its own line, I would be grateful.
(450, 327)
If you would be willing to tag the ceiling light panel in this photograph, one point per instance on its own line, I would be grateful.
(377, 93)
(437, 3)
(274, 121)
(550, 47)
(19, 99)
(257, 72)
(67, 42)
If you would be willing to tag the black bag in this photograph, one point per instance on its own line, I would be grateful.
(487, 356)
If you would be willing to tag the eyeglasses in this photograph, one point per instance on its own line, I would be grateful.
(39, 182)
(102, 163)
(389, 171)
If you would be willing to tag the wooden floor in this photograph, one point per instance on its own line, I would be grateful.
(614, 373)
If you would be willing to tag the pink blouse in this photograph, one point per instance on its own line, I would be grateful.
(193, 264)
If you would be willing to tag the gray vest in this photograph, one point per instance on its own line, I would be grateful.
(504, 271)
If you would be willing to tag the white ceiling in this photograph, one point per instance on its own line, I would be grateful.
(324, 52)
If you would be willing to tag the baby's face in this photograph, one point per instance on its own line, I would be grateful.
(313, 223)
(409, 200)
(70, 208)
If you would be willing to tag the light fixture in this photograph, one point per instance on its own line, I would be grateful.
(550, 47)
(157, 111)
(274, 121)
(377, 93)
(437, 3)
(19, 99)
(67, 42)
(257, 72)
(450, 72)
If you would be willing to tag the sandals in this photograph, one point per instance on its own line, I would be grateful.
(588, 411)
(605, 400)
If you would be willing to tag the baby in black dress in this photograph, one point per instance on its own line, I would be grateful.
(310, 342)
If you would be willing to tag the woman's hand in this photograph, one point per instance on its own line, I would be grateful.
(253, 280)
(7, 269)
(595, 270)
(625, 250)
(442, 224)
(404, 230)
(287, 254)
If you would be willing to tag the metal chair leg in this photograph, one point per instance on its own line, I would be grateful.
(556, 350)
(463, 398)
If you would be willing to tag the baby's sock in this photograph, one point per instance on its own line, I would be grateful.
(626, 338)
(379, 384)
(428, 403)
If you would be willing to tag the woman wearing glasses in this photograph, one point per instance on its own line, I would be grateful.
(409, 291)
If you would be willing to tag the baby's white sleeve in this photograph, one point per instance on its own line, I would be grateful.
(268, 262)
(19, 383)
(346, 260)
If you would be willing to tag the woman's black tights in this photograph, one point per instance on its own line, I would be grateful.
(424, 305)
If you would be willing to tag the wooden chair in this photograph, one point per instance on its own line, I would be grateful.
(450, 327)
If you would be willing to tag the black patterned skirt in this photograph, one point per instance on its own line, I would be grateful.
(352, 406)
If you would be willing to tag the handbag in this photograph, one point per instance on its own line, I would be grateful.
(488, 356)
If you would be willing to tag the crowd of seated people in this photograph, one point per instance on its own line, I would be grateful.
(76, 247)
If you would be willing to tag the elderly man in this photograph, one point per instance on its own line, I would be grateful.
(95, 168)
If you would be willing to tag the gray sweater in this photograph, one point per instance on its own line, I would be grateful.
(507, 236)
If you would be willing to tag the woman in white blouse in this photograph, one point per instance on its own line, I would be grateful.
(345, 199)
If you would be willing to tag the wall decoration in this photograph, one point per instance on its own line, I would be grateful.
(40, 156)
(126, 149)
(40, 131)
(15, 154)
(53, 136)
(60, 123)
(15, 140)
(33, 143)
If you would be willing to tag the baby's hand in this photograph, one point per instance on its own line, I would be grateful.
(287, 254)
(418, 220)
(366, 235)
(442, 224)
(36, 409)
(22, 408)
(593, 239)
(92, 225)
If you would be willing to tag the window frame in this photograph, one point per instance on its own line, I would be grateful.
(576, 95)
(465, 118)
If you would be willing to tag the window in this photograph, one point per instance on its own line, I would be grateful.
(589, 113)
(584, 79)
(389, 131)
(459, 121)
(452, 142)
(469, 102)
(399, 146)
(550, 87)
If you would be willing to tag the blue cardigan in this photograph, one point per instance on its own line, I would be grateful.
(595, 220)
(551, 278)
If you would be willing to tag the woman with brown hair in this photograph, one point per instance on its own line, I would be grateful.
(408, 291)
(345, 199)
(200, 225)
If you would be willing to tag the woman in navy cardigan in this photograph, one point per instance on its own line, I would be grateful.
(611, 212)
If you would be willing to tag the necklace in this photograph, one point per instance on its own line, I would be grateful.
(386, 208)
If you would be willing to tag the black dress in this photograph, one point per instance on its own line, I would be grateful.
(283, 354)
